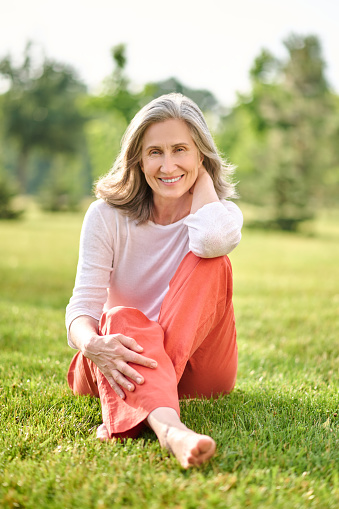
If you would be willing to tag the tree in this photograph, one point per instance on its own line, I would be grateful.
(203, 98)
(40, 108)
(282, 135)
(115, 94)
(103, 135)
(304, 71)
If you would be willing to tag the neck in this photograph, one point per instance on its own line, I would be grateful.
(171, 212)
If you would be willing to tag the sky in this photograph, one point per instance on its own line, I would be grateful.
(207, 44)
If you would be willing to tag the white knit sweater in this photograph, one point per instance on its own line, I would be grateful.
(123, 264)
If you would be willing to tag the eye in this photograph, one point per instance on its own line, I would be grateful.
(154, 152)
(179, 149)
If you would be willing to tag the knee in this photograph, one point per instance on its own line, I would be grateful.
(191, 262)
(120, 314)
(110, 318)
(220, 268)
(219, 262)
(125, 320)
(116, 311)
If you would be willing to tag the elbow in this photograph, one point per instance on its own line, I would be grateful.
(232, 245)
(234, 241)
(213, 246)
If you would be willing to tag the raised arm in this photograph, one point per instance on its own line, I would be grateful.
(214, 226)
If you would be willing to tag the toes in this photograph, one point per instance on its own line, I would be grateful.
(102, 432)
(190, 448)
(203, 450)
(204, 447)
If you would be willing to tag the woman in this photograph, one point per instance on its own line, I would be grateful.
(151, 312)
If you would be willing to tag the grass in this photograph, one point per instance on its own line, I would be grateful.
(277, 433)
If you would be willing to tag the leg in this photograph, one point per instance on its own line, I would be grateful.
(82, 379)
(200, 338)
(206, 324)
(197, 317)
(124, 418)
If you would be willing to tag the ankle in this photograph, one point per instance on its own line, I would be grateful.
(162, 420)
(164, 416)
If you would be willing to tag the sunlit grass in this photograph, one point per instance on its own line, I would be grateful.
(277, 433)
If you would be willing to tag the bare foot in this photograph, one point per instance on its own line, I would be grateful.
(190, 449)
(102, 433)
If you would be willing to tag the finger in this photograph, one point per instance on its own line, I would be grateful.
(121, 381)
(130, 343)
(136, 358)
(131, 373)
(116, 388)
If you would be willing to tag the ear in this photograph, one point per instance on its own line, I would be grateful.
(141, 165)
(201, 157)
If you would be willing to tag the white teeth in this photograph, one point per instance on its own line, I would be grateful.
(171, 180)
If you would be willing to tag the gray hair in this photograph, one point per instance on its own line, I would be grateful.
(125, 186)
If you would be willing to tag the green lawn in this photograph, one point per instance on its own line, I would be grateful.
(277, 433)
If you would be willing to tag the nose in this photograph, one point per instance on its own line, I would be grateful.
(168, 165)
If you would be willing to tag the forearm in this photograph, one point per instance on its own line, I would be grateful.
(203, 192)
(82, 332)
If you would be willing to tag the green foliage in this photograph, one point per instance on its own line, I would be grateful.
(265, 67)
(283, 135)
(115, 94)
(203, 98)
(276, 434)
(8, 188)
(7, 193)
(40, 108)
(305, 69)
(103, 135)
(119, 56)
(61, 190)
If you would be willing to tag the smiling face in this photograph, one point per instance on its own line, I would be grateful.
(170, 161)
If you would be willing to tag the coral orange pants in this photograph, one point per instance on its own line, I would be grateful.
(193, 342)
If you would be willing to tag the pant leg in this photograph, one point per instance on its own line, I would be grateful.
(124, 418)
(197, 317)
(81, 376)
(159, 388)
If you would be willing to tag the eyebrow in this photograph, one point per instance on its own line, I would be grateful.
(172, 146)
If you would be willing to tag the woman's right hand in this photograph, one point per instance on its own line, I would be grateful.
(112, 354)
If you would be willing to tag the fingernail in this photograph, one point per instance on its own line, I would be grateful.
(122, 396)
(130, 387)
(139, 380)
(154, 365)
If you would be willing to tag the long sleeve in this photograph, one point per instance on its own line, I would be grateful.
(215, 229)
(94, 269)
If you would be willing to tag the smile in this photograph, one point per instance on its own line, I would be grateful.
(169, 181)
